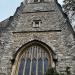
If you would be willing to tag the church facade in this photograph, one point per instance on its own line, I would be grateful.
(37, 37)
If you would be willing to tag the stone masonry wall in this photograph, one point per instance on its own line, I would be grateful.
(54, 31)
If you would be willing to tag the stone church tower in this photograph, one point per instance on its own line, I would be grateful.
(37, 37)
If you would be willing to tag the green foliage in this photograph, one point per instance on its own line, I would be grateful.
(53, 71)
(68, 70)
(69, 5)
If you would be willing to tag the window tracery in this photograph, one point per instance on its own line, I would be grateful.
(33, 59)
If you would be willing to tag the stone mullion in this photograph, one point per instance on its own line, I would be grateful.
(17, 68)
(42, 55)
(31, 60)
(43, 61)
(37, 62)
(51, 62)
(24, 67)
(18, 63)
(43, 66)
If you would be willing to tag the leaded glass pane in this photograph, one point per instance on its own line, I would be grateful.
(33, 72)
(27, 69)
(21, 67)
(40, 66)
(45, 65)
(35, 62)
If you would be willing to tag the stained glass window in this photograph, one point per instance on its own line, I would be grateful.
(27, 69)
(45, 65)
(33, 67)
(21, 67)
(34, 61)
(40, 65)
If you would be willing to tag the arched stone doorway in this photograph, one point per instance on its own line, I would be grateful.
(33, 58)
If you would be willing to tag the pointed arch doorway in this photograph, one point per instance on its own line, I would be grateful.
(33, 58)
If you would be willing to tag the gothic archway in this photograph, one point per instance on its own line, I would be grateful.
(33, 58)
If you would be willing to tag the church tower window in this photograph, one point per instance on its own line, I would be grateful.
(36, 23)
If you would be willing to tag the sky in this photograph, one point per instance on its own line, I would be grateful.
(8, 8)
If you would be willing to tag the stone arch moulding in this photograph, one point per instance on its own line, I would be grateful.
(22, 49)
